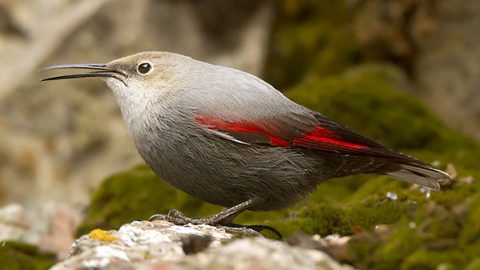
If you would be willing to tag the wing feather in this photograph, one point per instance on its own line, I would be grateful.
(323, 135)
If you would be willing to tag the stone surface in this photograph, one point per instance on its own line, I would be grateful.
(162, 245)
(51, 229)
(13, 225)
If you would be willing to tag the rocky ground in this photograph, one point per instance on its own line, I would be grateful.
(162, 245)
(155, 245)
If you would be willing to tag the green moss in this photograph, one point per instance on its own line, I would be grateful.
(473, 265)
(360, 216)
(21, 256)
(322, 219)
(427, 235)
(375, 185)
(471, 233)
(425, 260)
(361, 251)
(395, 250)
(376, 209)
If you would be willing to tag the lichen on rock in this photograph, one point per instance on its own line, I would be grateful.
(102, 235)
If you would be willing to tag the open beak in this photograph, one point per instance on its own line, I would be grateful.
(100, 70)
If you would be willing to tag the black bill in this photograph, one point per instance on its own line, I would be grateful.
(101, 70)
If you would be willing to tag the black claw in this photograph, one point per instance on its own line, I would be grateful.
(243, 230)
(259, 228)
(157, 216)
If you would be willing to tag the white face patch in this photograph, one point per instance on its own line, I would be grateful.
(133, 99)
(128, 97)
(117, 87)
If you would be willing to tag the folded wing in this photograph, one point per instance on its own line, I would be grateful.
(313, 131)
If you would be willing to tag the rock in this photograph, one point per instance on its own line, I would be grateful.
(260, 253)
(59, 232)
(162, 245)
(13, 225)
(51, 229)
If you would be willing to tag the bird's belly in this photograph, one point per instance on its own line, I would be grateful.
(226, 173)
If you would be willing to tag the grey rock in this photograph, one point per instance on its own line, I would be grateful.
(162, 245)
(51, 229)
(13, 225)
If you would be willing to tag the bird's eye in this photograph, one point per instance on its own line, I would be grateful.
(144, 68)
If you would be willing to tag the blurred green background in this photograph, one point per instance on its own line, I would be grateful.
(405, 73)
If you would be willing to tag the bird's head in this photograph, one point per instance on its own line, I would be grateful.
(144, 74)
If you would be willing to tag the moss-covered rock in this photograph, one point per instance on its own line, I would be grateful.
(21, 256)
(473, 265)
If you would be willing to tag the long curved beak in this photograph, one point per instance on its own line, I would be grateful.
(101, 70)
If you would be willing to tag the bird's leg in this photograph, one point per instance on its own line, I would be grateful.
(222, 218)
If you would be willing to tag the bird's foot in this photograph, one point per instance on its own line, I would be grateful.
(178, 218)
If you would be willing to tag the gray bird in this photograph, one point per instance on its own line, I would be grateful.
(229, 138)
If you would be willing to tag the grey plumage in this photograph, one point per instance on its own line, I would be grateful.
(226, 136)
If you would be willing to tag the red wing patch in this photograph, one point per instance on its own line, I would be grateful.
(221, 125)
(324, 136)
(313, 139)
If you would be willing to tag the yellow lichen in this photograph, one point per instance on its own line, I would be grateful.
(102, 235)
